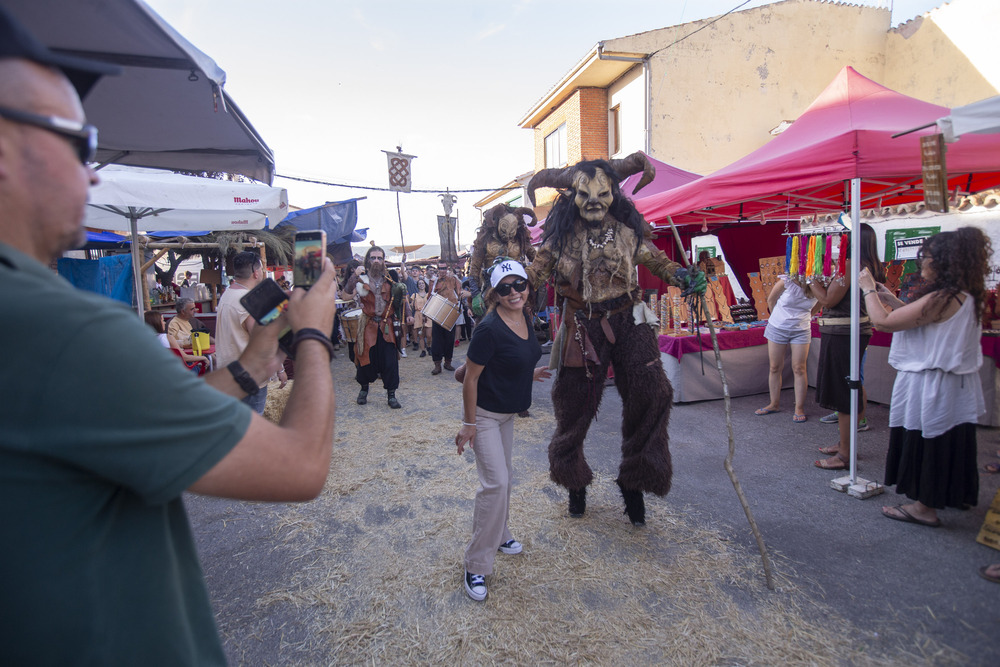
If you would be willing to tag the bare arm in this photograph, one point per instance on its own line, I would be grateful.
(834, 293)
(887, 297)
(289, 461)
(776, 291)
(470, 396)
(929, 308)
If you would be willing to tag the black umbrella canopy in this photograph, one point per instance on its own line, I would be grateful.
(167, 109)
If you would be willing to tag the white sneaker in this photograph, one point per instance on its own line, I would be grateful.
(402, 352)
(511, 547)
(475, 586)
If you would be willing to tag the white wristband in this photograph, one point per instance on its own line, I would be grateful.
(467, 424)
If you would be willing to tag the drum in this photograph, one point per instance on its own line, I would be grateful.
(441, 311)
(350, 321)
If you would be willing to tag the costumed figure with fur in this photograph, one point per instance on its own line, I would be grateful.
(502, 234)
(594, 240)
(375, 351)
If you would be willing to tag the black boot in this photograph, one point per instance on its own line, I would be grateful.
(577, 502)
(363, 395)
(635, 506)
(393, 403)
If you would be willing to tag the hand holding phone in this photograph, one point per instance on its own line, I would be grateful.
(265, 303)
(307, 263)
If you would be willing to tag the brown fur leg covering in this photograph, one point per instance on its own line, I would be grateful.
(575, 400)
(646, 401)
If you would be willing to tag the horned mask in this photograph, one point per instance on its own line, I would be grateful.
(593, 195)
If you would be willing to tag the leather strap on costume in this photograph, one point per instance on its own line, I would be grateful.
(578, 349)
(370, 322)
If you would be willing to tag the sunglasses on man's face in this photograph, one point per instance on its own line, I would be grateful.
(503, 289)
(82, 137)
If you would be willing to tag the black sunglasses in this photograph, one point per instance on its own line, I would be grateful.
(503, 289)
(82, 137)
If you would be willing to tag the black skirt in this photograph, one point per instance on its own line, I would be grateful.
(832, 391)
(939, 472)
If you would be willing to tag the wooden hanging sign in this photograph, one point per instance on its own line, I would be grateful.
(934, 172)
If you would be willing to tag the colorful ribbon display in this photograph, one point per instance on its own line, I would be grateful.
(803, 254)
(842, 260)
(812, 256)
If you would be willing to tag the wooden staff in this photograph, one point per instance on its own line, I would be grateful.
(729, 425)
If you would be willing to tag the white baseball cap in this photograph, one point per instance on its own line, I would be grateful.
(504, 267)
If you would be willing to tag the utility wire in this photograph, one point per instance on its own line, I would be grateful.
(718, 18)
(505, 189)
(371, 187)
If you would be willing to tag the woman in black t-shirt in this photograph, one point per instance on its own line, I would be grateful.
(500, 367)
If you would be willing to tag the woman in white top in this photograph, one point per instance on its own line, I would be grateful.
(937, 397)
(789, 325)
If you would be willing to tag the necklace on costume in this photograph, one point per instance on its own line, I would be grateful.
(609, 236)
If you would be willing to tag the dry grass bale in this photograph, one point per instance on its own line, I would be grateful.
(274, 408)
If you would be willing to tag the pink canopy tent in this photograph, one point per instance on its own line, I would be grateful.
(845, 133)
(667, 177)
(840, 154)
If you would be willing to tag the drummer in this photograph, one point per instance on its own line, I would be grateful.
(375, 351)
(446, 285)
(350, 302)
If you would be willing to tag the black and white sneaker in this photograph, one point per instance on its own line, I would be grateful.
(511, 547)
(475, 586)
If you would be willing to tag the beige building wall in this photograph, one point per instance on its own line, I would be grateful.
(947, 56)
(628, 93)
(718, 93)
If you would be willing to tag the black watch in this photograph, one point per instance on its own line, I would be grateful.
(243, 378)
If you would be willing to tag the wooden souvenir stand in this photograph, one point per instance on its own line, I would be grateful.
(689, 360)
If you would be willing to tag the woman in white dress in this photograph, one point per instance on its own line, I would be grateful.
(937, 397)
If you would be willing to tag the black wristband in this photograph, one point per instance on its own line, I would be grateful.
(243, 378)
(312, 334)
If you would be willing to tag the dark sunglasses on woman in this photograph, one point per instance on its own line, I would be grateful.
(503, 289)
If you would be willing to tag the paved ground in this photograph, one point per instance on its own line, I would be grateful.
(904, 583)
(888, 576)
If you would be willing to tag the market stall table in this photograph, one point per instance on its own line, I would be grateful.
(695, 377)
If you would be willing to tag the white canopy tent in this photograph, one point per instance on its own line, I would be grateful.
(149, 201)
(982, 117)
(168, 108)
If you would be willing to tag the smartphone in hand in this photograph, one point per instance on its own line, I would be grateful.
(265, 303)
(307, 262)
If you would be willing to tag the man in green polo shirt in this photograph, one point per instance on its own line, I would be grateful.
(98, 441)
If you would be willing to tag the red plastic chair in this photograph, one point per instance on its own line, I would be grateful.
(200, 366)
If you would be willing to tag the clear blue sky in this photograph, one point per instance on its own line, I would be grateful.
(330, 84)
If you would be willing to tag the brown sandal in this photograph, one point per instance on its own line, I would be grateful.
(841, 464)
(833, 450)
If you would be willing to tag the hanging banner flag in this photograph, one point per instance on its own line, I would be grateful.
(400, 179)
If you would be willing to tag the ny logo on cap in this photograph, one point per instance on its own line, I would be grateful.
(505, 267)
